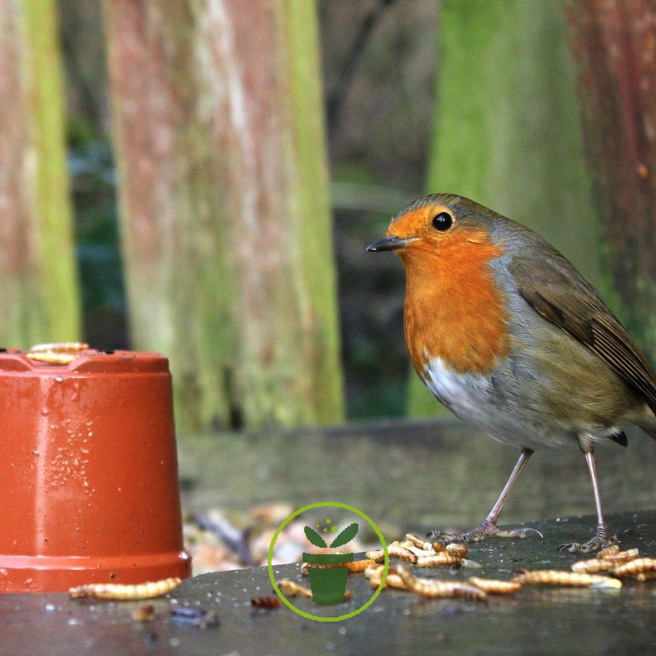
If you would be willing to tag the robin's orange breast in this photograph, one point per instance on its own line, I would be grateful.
(454, 311)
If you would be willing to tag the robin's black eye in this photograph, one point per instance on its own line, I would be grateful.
(442, 221)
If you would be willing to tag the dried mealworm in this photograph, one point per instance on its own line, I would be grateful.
(60, 347)
(290, 589)
(266, 601)
(637, 567)
(458, 549)
(359, 565)
(424, 544)
(353, 567)
(441, 558)
(621, 556)
(495, 586)
(564, 578)
(120, 592)
(394, 550)
(392, 580)
(373, 570)
(63, 353)
(608, 563)
(374, 573)
(50, 357)
(612, 550)
(417, 551)
(438, 589)
(377, 555)
(593, 566)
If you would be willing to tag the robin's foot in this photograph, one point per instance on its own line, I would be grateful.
(600, 540)
(486, 529)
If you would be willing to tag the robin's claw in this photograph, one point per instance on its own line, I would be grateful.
(599, 541)
(519, 533)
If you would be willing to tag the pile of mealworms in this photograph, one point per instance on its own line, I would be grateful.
(606, 571)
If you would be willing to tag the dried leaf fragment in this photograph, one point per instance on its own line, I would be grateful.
(266, 601)
(143, 613)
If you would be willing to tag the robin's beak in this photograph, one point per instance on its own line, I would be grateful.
(390, 243)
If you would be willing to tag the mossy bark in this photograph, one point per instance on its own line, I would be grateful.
(614, 48)
(225, 214)
(506, 129)
(39, 291)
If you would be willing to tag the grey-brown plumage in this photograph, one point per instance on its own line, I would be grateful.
(539, 360)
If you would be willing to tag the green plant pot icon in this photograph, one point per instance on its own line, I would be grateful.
(328, 584)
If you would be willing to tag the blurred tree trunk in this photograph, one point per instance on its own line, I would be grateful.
(507, 128)
(225, 210)
(614, 48)
(38, 292)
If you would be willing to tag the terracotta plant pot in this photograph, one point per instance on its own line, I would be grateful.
(89, 484)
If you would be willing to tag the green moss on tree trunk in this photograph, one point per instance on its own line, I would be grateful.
(39, 289)
(225, 215)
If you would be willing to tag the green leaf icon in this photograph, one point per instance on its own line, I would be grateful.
(345, 536)
(315, 538)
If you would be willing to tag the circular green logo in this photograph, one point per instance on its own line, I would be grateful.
(317, 617)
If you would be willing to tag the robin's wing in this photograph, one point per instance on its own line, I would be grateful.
(562, 296)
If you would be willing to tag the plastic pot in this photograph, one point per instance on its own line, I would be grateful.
(89, 484)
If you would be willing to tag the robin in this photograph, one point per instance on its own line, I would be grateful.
(509, 336)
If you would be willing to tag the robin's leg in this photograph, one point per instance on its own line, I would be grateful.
(489, 526)
(600, 540)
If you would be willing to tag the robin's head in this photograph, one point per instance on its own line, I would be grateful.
(439, 224)
(447, 244)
